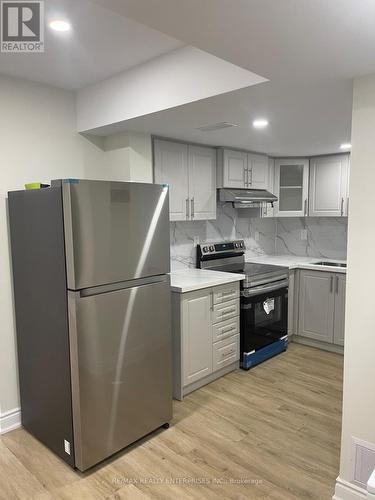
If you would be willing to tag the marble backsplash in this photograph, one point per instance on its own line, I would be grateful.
(326, 236)
(230, 224)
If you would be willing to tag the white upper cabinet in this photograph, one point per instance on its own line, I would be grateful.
(171, 167)
(233, 167)
(258, 171)
(190, 172)
(202, 182)
(329, 186)
(242, 170)
(291, 187)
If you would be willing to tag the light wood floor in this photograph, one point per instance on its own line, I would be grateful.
(277, 425)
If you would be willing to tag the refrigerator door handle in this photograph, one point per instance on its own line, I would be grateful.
(122, 285)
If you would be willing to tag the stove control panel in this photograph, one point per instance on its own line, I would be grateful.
(220, 249)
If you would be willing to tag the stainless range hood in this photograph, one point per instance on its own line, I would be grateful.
(246, 198)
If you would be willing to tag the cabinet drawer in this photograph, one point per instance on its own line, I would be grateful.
(226, 292)
(225, 352)
(226, 310)
(225, 329)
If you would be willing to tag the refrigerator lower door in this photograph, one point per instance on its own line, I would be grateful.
(121, 366)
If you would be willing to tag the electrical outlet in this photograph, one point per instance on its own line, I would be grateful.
(304, 234)
(196, 240)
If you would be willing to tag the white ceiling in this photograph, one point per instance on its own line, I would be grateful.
(309, 49)
(304, 120)
(101, 44)
(278, 39)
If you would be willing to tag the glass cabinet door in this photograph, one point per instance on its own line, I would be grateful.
(291, 182)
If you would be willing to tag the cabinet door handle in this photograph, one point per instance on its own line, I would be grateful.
(342, 207)
(305, 207)
(337, 284)
(192, 208)
(245, 176)
(229, 329)
(230, 311)
(212, 300)
(228, 353)
(331, 285)
(250, 182)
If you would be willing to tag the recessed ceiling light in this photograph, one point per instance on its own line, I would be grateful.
(59, 25)
(346, 145)
(260, 123)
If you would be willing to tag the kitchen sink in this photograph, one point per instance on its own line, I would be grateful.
(331, 264)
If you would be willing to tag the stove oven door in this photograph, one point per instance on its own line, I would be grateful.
(264, 315)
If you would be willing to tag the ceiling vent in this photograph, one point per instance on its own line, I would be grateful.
(217, 126)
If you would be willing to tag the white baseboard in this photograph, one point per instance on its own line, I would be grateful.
(319, 345)
(10, 420)
(348, 491)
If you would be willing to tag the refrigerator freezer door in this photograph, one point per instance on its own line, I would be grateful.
(114, 231)
(121, 358)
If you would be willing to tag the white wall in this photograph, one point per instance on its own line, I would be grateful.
(120, 157)
(359, 370)
(179, 77)
(38, 142)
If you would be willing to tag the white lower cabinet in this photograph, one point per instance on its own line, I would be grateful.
(317, 305)
(225, 310)
(197, 345)
(339, 321)
(321, 306)
(226, 352)
(206, 327)
(225, 329)
(291, 303)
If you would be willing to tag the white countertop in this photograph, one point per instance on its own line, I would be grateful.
(187, 280)
(296, 262)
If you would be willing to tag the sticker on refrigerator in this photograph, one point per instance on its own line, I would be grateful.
(67, 446)
(269, 305)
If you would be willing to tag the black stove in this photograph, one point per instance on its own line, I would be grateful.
(264, 299)
(229, 257)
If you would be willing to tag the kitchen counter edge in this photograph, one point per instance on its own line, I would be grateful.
(188, 280)
(295, 262)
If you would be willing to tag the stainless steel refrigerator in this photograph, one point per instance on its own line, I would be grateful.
(92, 302)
